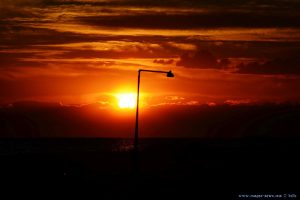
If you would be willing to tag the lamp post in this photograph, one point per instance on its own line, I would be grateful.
(136, 134)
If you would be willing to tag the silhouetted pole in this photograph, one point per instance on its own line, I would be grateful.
(136, 133)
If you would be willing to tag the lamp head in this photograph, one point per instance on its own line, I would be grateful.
(170, 74)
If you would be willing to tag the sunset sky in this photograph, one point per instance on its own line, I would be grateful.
(86, 51)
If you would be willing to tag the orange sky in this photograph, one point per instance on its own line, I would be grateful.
(85, 51)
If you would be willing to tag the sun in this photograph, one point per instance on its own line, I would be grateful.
(126, 100)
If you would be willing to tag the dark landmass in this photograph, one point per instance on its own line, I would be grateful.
(32, 119)
(185, 168)
(227, 151)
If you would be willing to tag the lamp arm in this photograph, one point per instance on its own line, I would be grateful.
(156, 71)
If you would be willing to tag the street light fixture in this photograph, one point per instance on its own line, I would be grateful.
(136, 135)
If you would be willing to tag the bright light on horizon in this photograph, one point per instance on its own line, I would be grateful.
(126, 100)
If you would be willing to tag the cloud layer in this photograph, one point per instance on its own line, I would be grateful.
(275, 66)
(72, 41)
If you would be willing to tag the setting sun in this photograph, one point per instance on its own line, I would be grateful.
(126, 100)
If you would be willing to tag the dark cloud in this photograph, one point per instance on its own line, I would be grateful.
(11, 60)
(18, 35)
(202, 59)
(193, 21)
(274, 66)
(227, 13)
(246, 4)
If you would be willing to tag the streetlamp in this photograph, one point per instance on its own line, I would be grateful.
(136, 134)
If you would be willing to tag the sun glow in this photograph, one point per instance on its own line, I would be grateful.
(126, 100)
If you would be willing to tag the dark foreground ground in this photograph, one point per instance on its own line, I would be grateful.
(167, 168)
